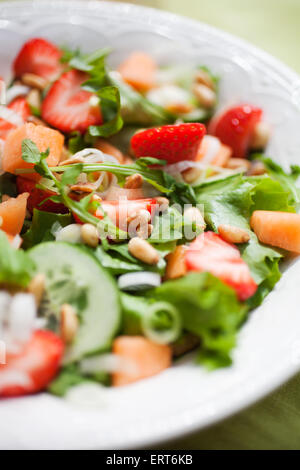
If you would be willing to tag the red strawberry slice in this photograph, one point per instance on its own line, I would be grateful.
(210, 253)
(235, 127)
(172, 143)
(19, 106)
(37, 196)
(39, 57)
(67, 107)
(32, 370)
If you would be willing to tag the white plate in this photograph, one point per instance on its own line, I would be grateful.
(185, 397)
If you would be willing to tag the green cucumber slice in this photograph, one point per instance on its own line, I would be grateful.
(74, 276)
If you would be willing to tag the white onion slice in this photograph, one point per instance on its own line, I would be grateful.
(139, 281)
(71, 233)
(22, 315)
(11, 116)
(87, 395)
(106, 363)
(16, 242)
(15, 377)
(92, 155)
(166, 95)
(3, 96)
(15, 91)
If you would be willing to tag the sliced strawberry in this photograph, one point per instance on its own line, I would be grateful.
(37, 196)
(120, 212)
(210, 253)
(19, 106)
(235, 127)
(33, 369)
(67, 107)
(39, 57)
(171, 143)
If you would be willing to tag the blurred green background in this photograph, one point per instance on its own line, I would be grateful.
(273, 25)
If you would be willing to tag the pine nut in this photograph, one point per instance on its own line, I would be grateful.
(206, 97)
(143, 251)
(203, 78)
(37, 287)
(35, 81)
(145, 231)
(68, 323)
(232, 234)
(261, 136)
(180, 108)
(163, 203)
(193, 215)
(257, 168)
(134, 181)
(37, 121)
(89, 235)
(238, 164)
(34, 98)
(191, 175)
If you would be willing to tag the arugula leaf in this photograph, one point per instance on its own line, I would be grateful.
(208, 309)
(117, 259)
(76, 142)
(111, 110)
(83, 208)
(70, 376)
(42, 226)
(8, 185)
(16, 267)
(109, 97)
(135, 108)
(30, 152)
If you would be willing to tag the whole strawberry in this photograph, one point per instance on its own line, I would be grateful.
(173, 143)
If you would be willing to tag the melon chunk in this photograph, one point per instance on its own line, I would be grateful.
(139, 71)
(13, 213)
(281, 229)
(142, 358)
(42, 136)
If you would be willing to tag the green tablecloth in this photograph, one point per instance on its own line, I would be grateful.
(273, 25)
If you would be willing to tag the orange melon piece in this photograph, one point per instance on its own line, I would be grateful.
(222, 155)
(139, 71)
(281, 229)
(176, 266)
(109, 149)
(13, 213)
(42, 136)
(143, 356)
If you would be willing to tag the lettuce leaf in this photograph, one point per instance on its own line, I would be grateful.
(42, 227)
(210, 310)
(16, 267)
(232, 201)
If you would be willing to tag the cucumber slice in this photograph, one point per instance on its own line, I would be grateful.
(74, 276)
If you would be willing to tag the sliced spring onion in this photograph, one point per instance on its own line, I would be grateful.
(162, 323)
(139, 281)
